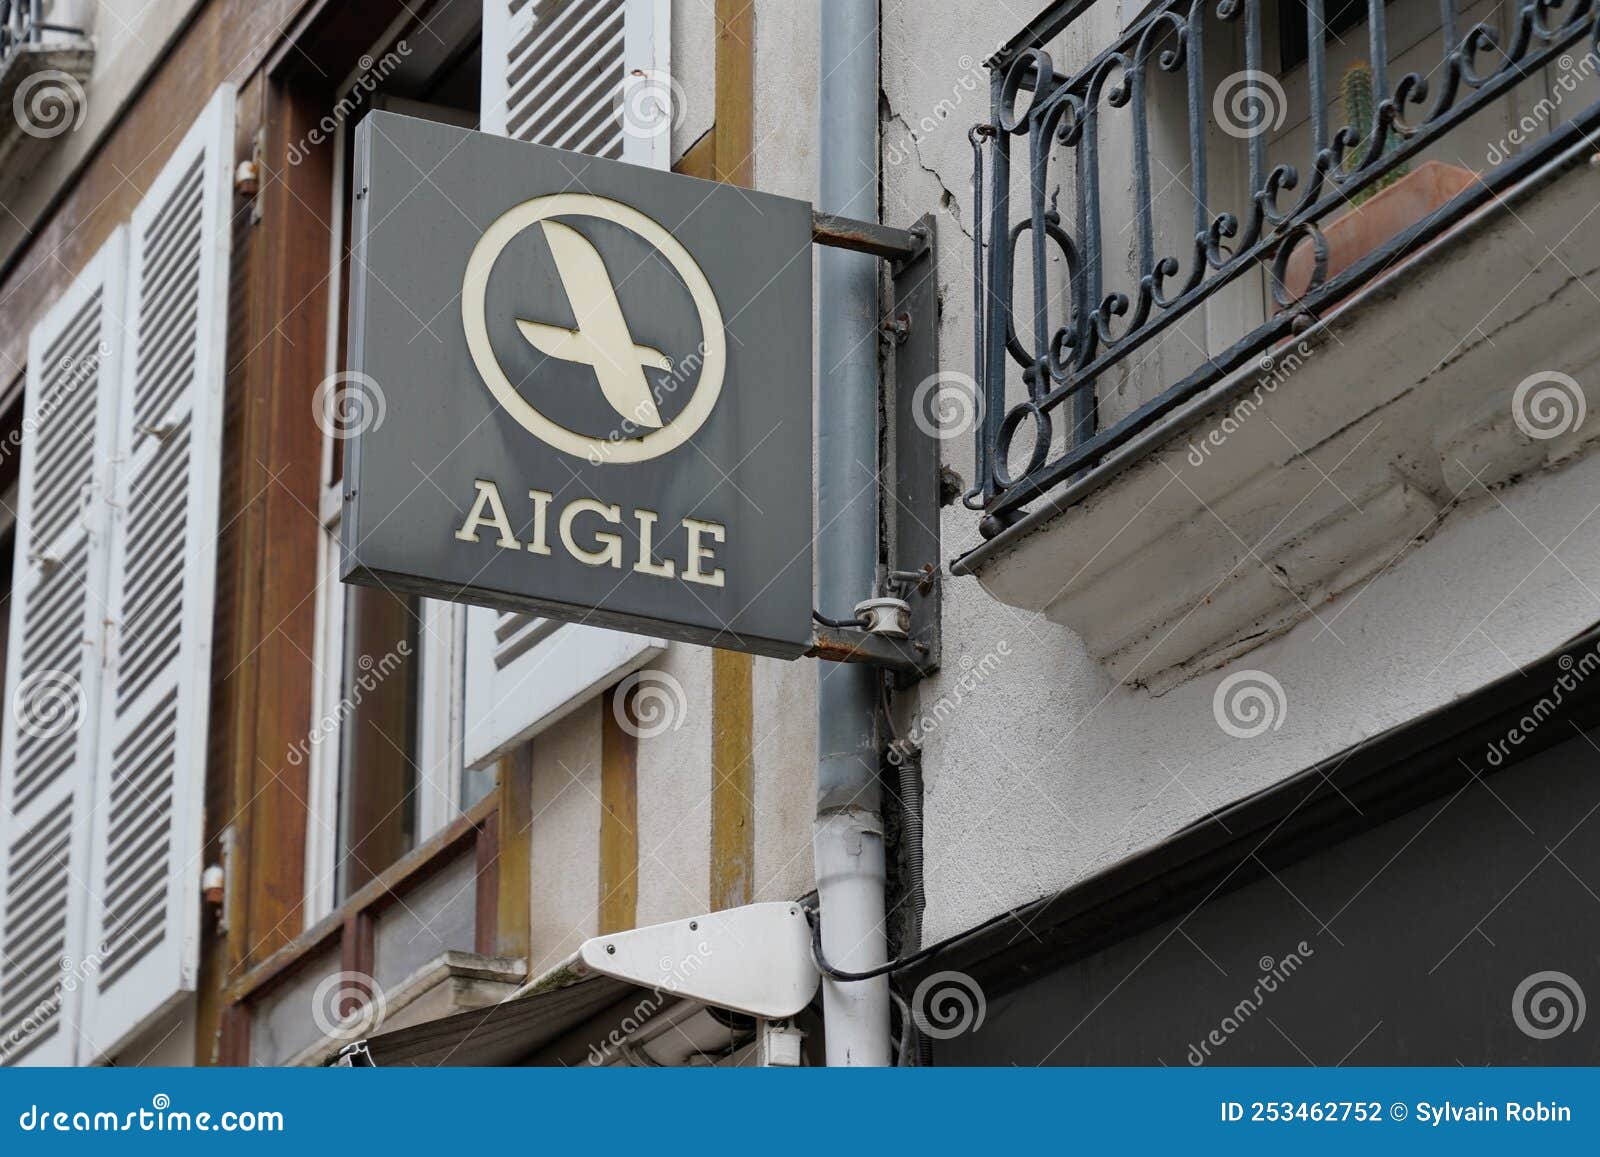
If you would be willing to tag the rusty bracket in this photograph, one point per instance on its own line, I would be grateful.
(911, 482)
(904, 657)
(900, 246)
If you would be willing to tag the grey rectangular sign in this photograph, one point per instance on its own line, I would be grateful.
(578, 388)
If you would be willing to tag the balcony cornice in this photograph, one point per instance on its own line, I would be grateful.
(48, 77)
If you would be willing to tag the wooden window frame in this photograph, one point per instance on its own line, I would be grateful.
(351, 927)
(11, 434)
(284, 294)
(441, 627)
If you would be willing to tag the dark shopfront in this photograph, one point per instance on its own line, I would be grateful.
(1430, 897)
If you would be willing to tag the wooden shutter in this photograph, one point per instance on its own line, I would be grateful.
(525, 672)
(58, 591)
(557, 73)
(145, 875)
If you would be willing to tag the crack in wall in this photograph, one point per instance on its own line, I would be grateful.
(948, 201)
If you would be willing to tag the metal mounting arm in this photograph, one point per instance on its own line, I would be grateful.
(897, 245)
(910, 472)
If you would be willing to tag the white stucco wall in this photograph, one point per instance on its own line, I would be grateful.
(1043, 770)
(563, 837)
(693, 70)
(675, 794)
(1048, 771)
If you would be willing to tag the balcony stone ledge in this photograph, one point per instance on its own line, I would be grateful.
(452, 982)
(42, 93)
(1306, 477)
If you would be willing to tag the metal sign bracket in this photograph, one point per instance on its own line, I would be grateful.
(910, 472)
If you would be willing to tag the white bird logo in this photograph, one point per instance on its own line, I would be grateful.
(601, 340)
(599, 335)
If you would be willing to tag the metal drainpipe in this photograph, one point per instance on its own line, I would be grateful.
(847, 837)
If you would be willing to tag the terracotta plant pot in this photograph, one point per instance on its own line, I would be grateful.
(1361, 229)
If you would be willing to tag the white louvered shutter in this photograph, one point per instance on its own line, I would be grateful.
(58, 592)
(525, 672)
(561, 73)
(591, 76)
(145, 918)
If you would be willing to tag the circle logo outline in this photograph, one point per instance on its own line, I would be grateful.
(474, 296)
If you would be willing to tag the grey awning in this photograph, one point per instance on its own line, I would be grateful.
(513, 1032)
(687, 991)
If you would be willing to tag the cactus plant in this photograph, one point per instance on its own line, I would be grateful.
(1360, 110)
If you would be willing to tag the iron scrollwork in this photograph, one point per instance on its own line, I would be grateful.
(1061, 120)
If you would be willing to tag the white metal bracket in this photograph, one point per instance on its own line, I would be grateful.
(755, 959)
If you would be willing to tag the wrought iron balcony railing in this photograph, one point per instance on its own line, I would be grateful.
(21, 23)
(1072, 345)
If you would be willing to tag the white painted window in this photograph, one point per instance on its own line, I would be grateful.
(591, 78)
(103, 772)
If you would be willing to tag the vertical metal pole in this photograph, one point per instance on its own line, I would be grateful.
(847, 838)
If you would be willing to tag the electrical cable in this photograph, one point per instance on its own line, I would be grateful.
(860, 622)
(833, 973)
